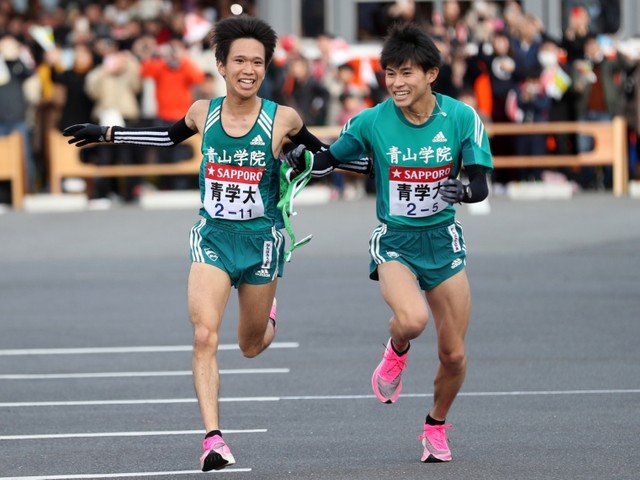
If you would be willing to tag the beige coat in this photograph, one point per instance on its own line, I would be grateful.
(114, 86)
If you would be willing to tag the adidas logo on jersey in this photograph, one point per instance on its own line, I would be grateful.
(456, 263)
(263, 272)
(439, 137)
(257, 140)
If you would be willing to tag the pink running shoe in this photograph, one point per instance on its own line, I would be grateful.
(216, 454)
(386, 380)
(272, 315)
(434, 441)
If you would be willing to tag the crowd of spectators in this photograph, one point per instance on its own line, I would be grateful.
(143, 62)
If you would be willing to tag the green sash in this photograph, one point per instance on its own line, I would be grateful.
(289, 189)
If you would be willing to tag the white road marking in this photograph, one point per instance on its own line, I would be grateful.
(150, 401)
(172, 373)
(136, 349)
(164, 401)
(468, 394)
(92, 476)
(121, 434)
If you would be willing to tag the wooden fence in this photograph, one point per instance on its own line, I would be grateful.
(12, 166)
(610, 146)
(64, 162)
(610, 139)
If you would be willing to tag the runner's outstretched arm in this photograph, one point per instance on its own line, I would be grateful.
(86, 133)
(305, 140)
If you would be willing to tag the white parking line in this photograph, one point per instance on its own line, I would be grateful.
(137, 349)
(163, 401)
(124, 475)
(168, 373)
(121, 434)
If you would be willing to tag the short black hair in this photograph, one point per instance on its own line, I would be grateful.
(229, 29)
(408, 42)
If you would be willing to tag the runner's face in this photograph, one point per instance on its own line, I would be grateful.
(408, 84)
(245, 68)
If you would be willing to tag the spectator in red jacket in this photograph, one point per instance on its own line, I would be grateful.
(175, 77)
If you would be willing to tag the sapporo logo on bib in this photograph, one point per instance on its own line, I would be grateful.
(413, 191)
(232, 193)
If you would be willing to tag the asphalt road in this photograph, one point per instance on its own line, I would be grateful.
(95, 357)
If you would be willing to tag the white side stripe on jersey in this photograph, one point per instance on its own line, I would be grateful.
(265, 122)
(374, 247)
(213, 117)
(278, 238)
(479, 130)
(194, 239)
(464, 249)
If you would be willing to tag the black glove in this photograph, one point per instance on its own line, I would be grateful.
(85, 133)
(453, 191)
(295, 158)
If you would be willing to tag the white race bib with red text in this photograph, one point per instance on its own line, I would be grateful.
(413, 191)
(232, 193)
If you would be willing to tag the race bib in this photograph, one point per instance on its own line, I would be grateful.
(414, 191)
(232, 193)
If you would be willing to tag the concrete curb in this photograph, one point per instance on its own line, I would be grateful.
(539, 191)
(48, 203)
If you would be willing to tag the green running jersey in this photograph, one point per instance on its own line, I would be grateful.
(239, 176)
(410, 161)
